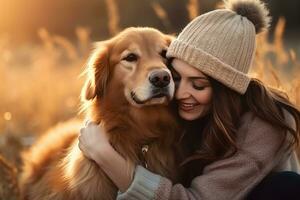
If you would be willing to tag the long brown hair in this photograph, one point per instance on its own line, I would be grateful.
(218, 132)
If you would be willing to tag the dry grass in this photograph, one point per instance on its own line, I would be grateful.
(277, 66)
(113, 15)
(8, 183)
(193, 9)
(40, 84)
(161, 14)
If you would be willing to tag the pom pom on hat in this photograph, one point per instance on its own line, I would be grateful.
(254, 10)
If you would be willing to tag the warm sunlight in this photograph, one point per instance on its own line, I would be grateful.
(44, 47)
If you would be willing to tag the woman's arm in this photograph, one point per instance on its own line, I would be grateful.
(94, 144)
(234, 177)
(116, 167)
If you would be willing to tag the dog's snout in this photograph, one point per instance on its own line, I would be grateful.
(159, 78)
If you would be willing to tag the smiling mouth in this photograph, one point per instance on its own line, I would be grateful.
(188, 106)
(156, 95)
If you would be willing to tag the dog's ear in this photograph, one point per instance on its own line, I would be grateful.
(169, 39)
(88, 91)
(97, 72)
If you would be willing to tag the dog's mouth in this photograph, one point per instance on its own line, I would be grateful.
(158, 96)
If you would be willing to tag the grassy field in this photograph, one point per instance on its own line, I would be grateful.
(40, 83)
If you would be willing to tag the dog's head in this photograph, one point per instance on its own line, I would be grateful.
(132, 64)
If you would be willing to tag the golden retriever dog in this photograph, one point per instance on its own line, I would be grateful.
(127, 89)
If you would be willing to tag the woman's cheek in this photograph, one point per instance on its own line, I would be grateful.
(206, 96)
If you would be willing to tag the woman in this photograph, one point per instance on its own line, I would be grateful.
(238, 132)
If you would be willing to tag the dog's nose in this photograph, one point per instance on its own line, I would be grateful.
(159, 78)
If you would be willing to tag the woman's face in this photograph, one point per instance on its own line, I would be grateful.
(193, 90)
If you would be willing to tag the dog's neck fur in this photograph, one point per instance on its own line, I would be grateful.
(129, 128)
(140, 126)
(139, 129)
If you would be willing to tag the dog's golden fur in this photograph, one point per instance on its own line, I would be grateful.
(117, 94)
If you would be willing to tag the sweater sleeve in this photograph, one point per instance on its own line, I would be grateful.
(259, 151)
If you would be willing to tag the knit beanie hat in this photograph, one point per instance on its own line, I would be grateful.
(221, 43)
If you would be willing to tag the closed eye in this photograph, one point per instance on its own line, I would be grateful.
(131, 57)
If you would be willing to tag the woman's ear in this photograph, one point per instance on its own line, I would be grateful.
(97, 72)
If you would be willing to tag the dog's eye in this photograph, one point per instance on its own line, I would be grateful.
(163, 53)
(131, 57)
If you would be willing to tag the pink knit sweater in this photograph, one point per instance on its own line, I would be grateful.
(259, 153)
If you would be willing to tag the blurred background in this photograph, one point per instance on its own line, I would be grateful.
(20, 20)
(45, 44)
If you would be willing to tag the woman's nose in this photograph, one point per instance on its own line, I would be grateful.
(182, 91)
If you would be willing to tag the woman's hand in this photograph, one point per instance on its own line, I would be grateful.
(93, 140)
(94, 144)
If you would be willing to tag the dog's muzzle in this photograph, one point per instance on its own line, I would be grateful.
(159, 89)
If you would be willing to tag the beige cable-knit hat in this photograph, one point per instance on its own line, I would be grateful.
(221, 43)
